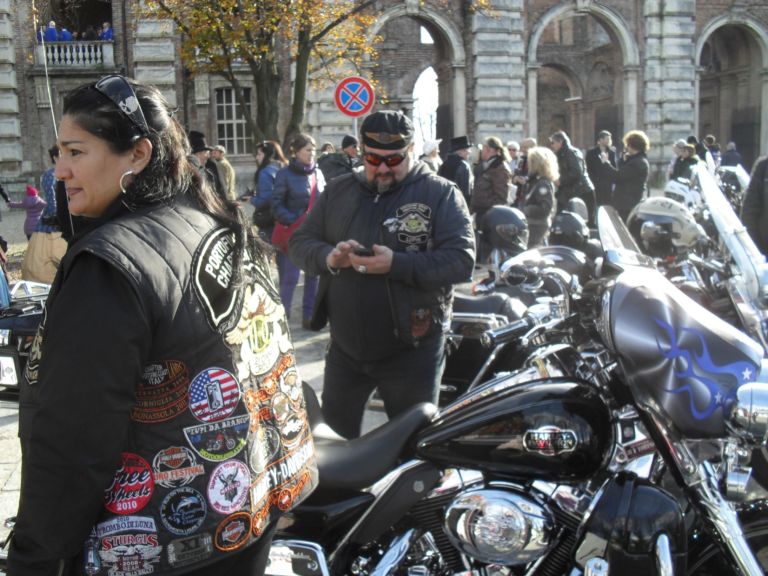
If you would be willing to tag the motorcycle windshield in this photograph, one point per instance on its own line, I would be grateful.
(680, 361)
(749, 262)
(619, 247)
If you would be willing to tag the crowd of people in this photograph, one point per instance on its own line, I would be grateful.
(54, 33)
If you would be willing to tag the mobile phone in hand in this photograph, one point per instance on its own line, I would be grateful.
(362, 251)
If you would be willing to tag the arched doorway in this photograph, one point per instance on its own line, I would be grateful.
(589, 50)
(732, 87)
(404, 55)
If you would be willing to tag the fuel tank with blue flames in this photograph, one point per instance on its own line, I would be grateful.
(554, 429)
(681, 362)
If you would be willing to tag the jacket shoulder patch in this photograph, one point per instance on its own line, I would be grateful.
(212, 269)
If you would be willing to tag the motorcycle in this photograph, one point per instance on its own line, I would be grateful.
(623, 453)
(18, 325)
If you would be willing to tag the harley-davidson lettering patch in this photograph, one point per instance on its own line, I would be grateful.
(228, 486)
(212, 275)
(130, 554)
(175, 466)
(183, 511)
(281, 472)
(162, 392)
(213, 395)
(233, 532)
(132, 486)
(190, 550)
(219, 441)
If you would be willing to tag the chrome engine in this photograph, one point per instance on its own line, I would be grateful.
(499, 526)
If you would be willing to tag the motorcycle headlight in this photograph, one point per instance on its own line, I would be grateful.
(499, 527)
(9, 369)
(749, 416)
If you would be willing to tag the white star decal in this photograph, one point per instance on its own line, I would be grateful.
(718, 399)
(746, 375)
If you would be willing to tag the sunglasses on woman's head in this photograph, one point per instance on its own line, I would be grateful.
(392, 160)
(121, 94)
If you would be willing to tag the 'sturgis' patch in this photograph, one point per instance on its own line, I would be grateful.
(175, 466)
(183, 510)
(233, 532)
(190, 550)
(213, 395)
(212, 269)
(219, 441)
(162, 392)
(228, 487)
(132, 554)
(132, 486)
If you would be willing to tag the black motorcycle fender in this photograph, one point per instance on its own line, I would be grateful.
(407, 489)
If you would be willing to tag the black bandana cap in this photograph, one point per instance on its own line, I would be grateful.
(387, 130)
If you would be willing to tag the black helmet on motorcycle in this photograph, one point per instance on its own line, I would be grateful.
(569, 229)
(505, 228)
(578, 206)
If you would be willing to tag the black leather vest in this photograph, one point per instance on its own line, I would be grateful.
(219, 444)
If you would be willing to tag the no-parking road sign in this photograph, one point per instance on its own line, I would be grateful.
(354, 96)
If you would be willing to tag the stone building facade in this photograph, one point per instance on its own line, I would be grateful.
(670, 67)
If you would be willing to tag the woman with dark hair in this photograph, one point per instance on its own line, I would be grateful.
(493, 185)
(270, 158)
(146, 354)
(631, 177)
(296, 189)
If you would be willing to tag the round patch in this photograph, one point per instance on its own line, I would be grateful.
(233, 532)
(175, 466)
(183, 511)
(132, 486)
(228, 487)
(213, 395)
(290, 385)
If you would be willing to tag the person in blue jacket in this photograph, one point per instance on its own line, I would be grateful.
(270, 158)
(296, 189)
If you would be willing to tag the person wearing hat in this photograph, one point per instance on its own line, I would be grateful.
(431, 155)
(388, 242)
(201, 159)
(342, 162)
(225, 171)
(456, 167)
(34, 206)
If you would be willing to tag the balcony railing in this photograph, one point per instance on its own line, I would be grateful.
(76, 54)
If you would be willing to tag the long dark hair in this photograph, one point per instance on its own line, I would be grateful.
(169, 174)
(273, 152)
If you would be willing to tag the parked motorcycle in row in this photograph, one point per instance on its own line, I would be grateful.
(624, 454)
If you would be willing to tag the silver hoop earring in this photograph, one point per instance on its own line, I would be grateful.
(126, 173)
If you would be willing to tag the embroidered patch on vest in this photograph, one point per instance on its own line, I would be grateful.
(162, 392)
(219, 441)
(264, 448)
(228, 486)
(183, 511)
(132, 554)
(212, 268)
(213, 395)
(189, 550)
(132, 486)
(233, 532)
(413, 224)
(175, 467)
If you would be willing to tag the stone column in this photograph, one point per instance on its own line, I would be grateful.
(533, 98)
(499, 71)
(154, 56)
(764, 113)
(670, 78)
(10, 120)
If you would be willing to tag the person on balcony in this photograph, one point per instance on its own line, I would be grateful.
(106, 34)
(51, 34)
(65, 35)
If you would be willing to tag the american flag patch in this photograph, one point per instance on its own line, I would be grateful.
(213, 395)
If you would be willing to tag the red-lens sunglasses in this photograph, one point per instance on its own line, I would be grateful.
(392, 160)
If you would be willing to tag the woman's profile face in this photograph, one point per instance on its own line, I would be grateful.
(90, 170)
(487, 153)
(306, 155)
(259, 156)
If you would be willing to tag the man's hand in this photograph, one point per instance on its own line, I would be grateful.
(379, 263)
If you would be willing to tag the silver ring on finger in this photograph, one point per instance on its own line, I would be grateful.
(362, 269)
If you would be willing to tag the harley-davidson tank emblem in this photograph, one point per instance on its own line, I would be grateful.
(550, 440)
